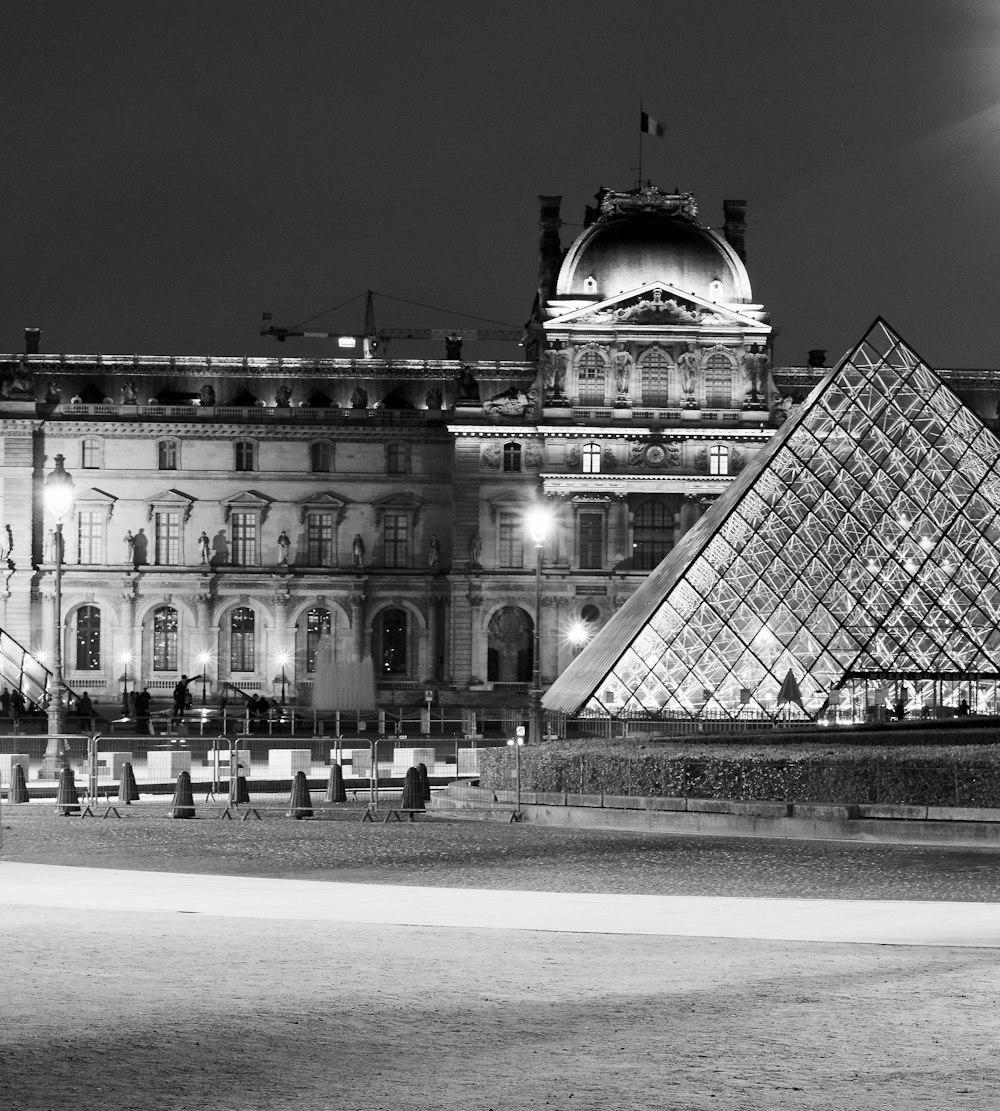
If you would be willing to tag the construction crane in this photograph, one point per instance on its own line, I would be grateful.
(453, 337)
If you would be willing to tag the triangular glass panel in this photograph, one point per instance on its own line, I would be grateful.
(858, 550)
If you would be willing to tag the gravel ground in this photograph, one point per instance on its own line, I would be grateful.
(462, 853)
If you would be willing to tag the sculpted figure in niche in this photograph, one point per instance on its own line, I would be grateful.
(204, 547)
(128, 392)
(206, 396)
(284, 543)
(358, 550)
(129, 541)
(554, 363)
(434, 399)
(281, 397)
(468, 387)
(622, 364)
(688, 364)
(359, 398)
(475, 550)
(434, 552)
(53, 395)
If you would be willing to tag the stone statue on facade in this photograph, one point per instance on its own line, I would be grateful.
(622, 364)
(475, 550)
(434, 399)
(206, 396)
(358, 550)
(129, 395)
(284, 543)
(129, 542)
(468, 387)
(688, 364)
(434, 551)
(282, 397)
(359, 398)
(205, 548)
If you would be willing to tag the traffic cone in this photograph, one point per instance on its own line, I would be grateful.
(299, 802)
(335, 790)
(183, 798)
(425, 782)
(18, 790)
(128, 792)
(413, 792)
(67, 800)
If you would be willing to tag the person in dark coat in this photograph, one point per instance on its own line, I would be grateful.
(142, 702)
(85, 711)
(181, 695)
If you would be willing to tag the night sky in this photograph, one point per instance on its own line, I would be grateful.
(170, 170)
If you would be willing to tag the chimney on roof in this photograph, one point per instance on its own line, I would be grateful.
(32, 340)
(735, 228)
(549, 247)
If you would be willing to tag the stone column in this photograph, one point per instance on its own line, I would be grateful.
(357, 604)
(690, 512)
(434, 670)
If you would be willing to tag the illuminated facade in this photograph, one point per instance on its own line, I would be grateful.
(856, 560)
(250, 518)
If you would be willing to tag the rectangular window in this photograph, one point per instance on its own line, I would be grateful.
(91, 454)
(245, 456)
(244, 539)
(396, 540)
(322, 457)
(319, 540)
(91, 536)
(510, 534)
(396, 458)
(591, 532)
(167, 455)
(167, 538)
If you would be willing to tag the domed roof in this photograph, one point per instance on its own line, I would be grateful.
(649, 236)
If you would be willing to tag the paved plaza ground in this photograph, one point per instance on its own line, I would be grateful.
(139, 988)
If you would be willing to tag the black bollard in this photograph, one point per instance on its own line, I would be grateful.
(18, 790)
(183, 798)
(128, 791)
(299, 802)
(67, 799)
(241, 793)
(335, 790)
(413, 792)
(425, 781)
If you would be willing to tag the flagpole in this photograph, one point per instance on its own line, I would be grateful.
(639, 182)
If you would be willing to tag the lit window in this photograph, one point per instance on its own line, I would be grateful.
(88, 639)
(244, 539)
(718, 381)
(246, 456)
(319, 539)
(317, 627)
(392, 635)
(165, 639)
(166, 454)
(510, 539)
(167, 542)
(90, 536)
(718, 460)
(654, 377)
(512, 457)
(242, 646)
(652, 535)
(591, 458)
(321, 457)
(90, 454)
(396, 540)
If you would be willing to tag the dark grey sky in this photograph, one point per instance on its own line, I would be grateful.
(170, 170)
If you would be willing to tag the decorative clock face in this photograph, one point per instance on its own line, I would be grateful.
(655, 455)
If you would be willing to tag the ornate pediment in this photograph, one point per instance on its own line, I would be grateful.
(247, 500)
(658, 305)
(170, 499)
(397, 503)
(323, 500)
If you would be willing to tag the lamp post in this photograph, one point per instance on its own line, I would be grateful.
(283, 661)
(126, 660)
(204, 659)
(58, 501)
(539, 519)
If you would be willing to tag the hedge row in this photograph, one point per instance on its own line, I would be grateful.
(918, 776)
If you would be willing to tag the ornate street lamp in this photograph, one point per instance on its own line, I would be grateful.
(59, 502)
(283, 659)
(126, 660)
(204, 659)
(539, 521)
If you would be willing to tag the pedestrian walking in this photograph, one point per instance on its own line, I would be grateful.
(142, 720)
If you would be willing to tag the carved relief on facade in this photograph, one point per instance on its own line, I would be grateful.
(534, 456)
(512, 402)
(609, 460)
(491, 457)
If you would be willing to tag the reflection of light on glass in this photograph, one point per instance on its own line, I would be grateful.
(904, 521)
(926, 543)
(910, 565)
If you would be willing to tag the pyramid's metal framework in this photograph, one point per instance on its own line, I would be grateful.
(860, 550)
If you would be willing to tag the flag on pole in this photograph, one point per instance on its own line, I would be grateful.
(649, 126)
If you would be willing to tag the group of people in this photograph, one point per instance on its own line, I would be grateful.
(13, 704)
(258, 711)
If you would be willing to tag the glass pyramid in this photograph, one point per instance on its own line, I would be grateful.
(858, 553)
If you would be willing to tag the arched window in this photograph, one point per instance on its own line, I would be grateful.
(246, 456)
(509, 646)
(512, 456)
(591, 458)
(718, 460)
(242, 639)
(718, 381)
(393, 635)
(590, 375)
(88, 639)
(318, 626)
(652, 535)
(165, 639)
(167, 455)
(321, 457)
(654, 373)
